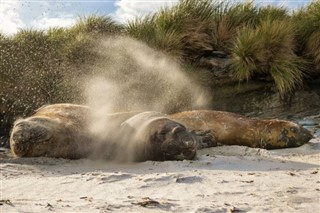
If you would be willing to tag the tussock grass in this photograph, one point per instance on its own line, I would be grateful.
(269, 48)
(227, 20)
(157, 32)
(308, 30)
(271, 13)
(95, 24)
(246, 53)
(313, 49)
(191, 27)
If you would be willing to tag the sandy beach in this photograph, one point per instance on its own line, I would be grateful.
(222, 179)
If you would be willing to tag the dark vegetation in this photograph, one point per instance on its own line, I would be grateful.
(41, 67)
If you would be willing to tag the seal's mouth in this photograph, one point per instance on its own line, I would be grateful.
(187, 155)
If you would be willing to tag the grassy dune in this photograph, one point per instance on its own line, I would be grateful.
(40, 67)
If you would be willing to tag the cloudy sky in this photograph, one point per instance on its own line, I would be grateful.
(42, 14)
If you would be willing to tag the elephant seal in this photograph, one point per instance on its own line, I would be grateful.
(53, 131)
(232, 129)
(153, 136)
(61, 131)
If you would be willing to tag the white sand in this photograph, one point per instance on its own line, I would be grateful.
(223, 179)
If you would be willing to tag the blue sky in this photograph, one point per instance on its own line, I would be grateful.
(42, 14)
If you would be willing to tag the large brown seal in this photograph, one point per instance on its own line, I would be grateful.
(233, 129)
(59, 130)
(52, 132)
(153, 136)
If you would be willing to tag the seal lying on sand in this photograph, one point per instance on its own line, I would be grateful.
(54, 131)
(233, 129)
(64, 130)
(59, 130)
(153, 136)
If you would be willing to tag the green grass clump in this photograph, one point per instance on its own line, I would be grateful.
(271, 13)
(156, 33)
(307, 22)
(97, 25)
(192, 27)
(269, 48)
(313, 49)
(227, 20)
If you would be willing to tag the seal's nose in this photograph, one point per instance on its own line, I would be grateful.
(189, 144)
(305, 135)
(190, 149)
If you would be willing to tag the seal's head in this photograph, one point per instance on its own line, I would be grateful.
(153, 136)
(158, 138)
(284, 134)
(29, 135)
(174, 140)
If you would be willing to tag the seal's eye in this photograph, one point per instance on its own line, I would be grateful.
(294, 129)
(162, 134)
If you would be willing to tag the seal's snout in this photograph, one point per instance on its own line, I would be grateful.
(19, 139)
(189, 146)
(179, 144)
(26, 135)
(305, 135)
(295, 136)
(20, 135)
(183, 138)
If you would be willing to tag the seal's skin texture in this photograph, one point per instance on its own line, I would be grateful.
(234, 129)
(153, 136)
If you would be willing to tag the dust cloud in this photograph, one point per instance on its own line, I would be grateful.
(130, 76)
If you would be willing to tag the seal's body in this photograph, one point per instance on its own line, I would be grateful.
(53, 131)
(233, 129)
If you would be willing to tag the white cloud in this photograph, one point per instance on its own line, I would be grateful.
(43, 14)
(129, 9)
(48, 22)
(10, 17)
